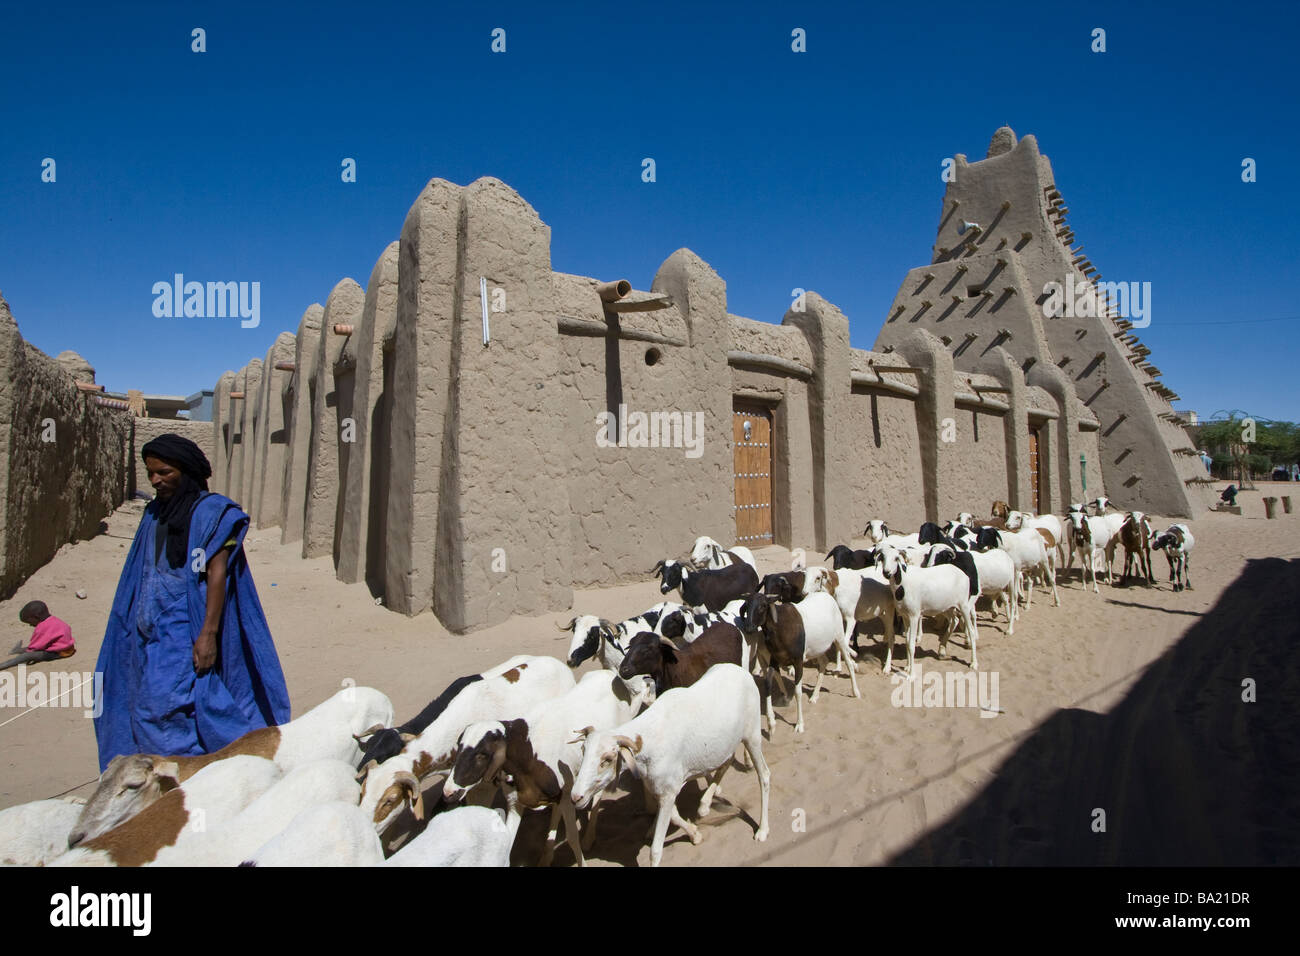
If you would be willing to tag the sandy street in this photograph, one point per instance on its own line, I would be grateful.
(1129, 701)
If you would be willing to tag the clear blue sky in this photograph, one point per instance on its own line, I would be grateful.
(818, 170)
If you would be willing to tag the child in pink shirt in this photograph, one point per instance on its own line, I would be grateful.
(51, 639)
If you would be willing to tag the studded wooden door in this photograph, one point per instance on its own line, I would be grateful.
(752, 436)
(1034, 486)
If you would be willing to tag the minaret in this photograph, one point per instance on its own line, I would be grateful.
(1008, 271)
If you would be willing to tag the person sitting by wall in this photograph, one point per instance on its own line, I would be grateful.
(1229, 495)
(51, 639)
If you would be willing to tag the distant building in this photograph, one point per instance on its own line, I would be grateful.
(200, 405)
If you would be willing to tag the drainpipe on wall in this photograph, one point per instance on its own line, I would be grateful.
(1083, 473)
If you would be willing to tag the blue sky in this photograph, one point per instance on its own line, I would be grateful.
(818, 170)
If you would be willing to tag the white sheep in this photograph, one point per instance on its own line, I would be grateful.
(793, 634)
(1095, 539)
(181, 816)
(689, 732)
(1032, 558)
(465, 836)
(928, 592)
(395, 784)
(707, 553)
(322, 781)
(33, 834)
(326, 732)
(863, 596)
(1060, 543)
(878, 533)
(1177, 543)
(329, 834)
(537, 754)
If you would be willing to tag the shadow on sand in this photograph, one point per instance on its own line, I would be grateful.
(1188, 773)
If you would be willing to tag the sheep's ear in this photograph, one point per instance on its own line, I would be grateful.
(168, 773)
(769, 612)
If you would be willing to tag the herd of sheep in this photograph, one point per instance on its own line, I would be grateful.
(674, 699)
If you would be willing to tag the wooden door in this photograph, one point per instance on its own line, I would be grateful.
(1034, 485)
(752, 437)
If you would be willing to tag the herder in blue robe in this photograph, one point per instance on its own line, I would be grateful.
(188, 660)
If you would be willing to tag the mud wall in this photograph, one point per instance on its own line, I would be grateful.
(63, 463)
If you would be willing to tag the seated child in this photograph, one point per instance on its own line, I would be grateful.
(51, 640)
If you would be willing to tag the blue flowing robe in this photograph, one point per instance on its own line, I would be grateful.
(152, 700)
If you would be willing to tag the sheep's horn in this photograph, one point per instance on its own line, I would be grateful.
(667, 642)
(582, 735)
(567, 627)
(407, 738)
(657, 568)
(633, 745)
(366, 733)
(406, 778)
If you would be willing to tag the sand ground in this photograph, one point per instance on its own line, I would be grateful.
(1129, 701)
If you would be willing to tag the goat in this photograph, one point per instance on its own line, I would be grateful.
(707, 553)
(535, 754)
(670, 665)
(689, 732)
(1177, 544)
(862, 596)
(841, 556)
(793, 634)
(1029, 552)
(465, 836)
(1057, 540)
(329, 834)
(328, 731)
(1135, 535)
(1094, 536)
(878, 533)
(995, 573)
(684, 623)
(391, 786)
(1000, 509)
(926, 592)
(266, 817)
(211, 796)
(599, 638)
(713, 590)
(931, 533)
(388, 741)
(32, 834)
